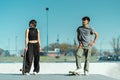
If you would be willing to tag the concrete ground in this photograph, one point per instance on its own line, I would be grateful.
(59, 71)
(53, 77)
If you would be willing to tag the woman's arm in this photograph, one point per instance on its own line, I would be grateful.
(26, 39)
(39, 37)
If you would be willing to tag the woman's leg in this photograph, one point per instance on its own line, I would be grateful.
(29, 58)
(36, 58)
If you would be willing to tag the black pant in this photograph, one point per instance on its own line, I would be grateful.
(32, 53)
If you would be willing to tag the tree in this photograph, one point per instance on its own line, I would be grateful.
(116, 45)
(107, 53)
(1, 51)
(7, 53)
(94, 51)
(75, 47)
(64, 47)
(52, 46)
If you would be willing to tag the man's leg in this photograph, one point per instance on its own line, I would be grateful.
(87, 56)
(78, 58)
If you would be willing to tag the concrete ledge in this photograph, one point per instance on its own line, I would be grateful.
(107, 69)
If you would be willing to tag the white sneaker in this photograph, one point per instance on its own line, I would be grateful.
(77, 71)
(35, 73)
(27, 74)
(86, 73)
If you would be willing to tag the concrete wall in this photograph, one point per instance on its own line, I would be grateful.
(107, 69)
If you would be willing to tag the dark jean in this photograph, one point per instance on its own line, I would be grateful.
(32, 54)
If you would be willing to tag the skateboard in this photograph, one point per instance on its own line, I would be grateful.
(24, 60)
(73, 73)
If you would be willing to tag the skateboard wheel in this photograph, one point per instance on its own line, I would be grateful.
(22, 55)
(20, 69)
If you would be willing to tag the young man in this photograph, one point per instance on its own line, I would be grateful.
(84, 35)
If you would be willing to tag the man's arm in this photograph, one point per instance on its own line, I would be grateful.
(95, 39)
(80, 44)
(78, 36)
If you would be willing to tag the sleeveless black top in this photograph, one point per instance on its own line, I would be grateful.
(33, 34)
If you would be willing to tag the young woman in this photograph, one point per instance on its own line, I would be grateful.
(32, 42)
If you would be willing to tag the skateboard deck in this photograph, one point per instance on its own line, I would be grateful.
(73, 73)
(24, 60)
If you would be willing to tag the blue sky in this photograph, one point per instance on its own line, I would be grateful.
(64, 18)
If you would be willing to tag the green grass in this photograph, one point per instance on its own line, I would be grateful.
(10, 59)
(46, 59)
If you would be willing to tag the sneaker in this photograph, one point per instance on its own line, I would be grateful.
(77, 71)
(35, 73)
(27, 74)
(86, 73)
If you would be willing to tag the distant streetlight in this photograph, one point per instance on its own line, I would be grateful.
(58, 46)
(47, 9)
(57, 41)
(16, 47)
(101, 43)
(9, 44)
